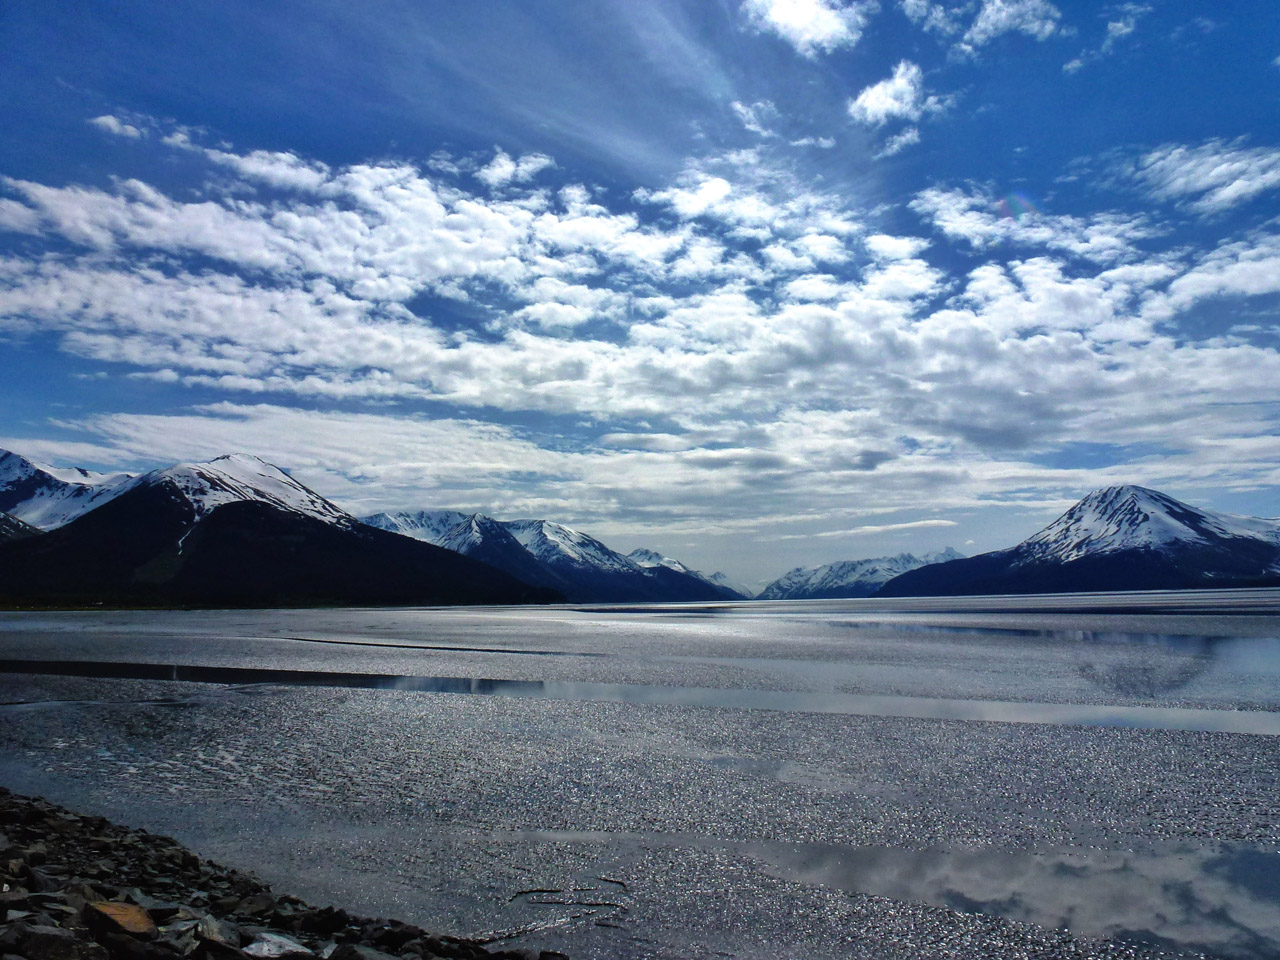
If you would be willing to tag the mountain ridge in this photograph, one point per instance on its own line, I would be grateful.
(1115, 538)
(238, 531)
(848, 579)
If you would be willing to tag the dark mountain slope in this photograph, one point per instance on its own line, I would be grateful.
(152, 546)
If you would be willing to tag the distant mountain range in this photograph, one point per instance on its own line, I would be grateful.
(848, 578)
(552, 555)
(1119, 538)
(238, 531)
(235, 531)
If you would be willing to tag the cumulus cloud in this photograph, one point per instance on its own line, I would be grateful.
(934, 17)
(899, 142)
(502, 169)
(117, 127)
(901, 96)
(981, 220)
(739, 322)
(885, 247)
(1211, 177)
(1037, 19)
(812, 26)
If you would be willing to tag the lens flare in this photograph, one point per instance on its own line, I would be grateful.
(1016, 206)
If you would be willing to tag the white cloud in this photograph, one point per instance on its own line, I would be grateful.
(1037, 19)
(1125, 23)
(502, 169)
(901, 96)
(755, 117)
(934, 17)
(812, 26)
(117, 127)
(885, 247)
(899, 142)
(822, 143)
(867, 530)
(1212, 177)
(982, 221)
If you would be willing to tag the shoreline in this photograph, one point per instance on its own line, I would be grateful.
(76, 887)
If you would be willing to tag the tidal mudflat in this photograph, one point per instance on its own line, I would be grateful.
(1079, 777)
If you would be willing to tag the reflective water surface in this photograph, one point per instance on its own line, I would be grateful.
(1055, 776)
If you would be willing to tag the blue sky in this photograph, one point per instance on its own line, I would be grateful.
(756, 283)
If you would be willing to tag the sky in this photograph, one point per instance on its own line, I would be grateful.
(755, 283)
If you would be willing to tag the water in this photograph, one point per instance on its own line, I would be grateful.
(957, 778)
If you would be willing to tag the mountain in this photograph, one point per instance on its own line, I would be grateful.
(662, 567)
(11, 528)
(1118, 538)
(737, 586)
(848, 578)
(48, 497)
(237, 531)
(489, 541)
(557, 557)
(429, 526)
(597, 573)
(236, 478)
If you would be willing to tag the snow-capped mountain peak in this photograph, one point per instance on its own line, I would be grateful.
(651, 558)
(472, 531)
(242, 477)
(1130, 517)
(940, 556)
(722, 579)
(556, 544)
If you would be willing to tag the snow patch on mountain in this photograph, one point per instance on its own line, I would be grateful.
(473, 531)
(11, 528)
(50, 497)
(557, 546)
(430, 526)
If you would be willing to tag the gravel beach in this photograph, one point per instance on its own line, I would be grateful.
(82, 888)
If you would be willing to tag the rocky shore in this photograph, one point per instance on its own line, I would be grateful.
(82, 888)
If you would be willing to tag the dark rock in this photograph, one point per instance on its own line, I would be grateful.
(393, 938)
(219, 931)
(35, 854)
(257, 905)
(356, 951)
(213, 950)
(121, 946)
(325, 922)
(41, 880)
(55, 943)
